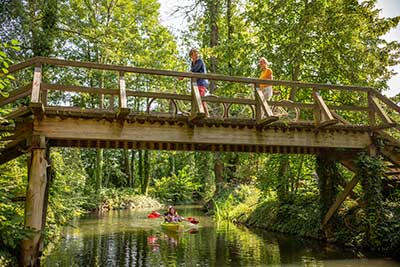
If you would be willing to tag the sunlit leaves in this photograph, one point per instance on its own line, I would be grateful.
(5, 61)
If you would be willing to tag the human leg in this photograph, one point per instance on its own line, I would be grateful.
(267, 91)
(202, 91)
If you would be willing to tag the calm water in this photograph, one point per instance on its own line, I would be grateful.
(129, 238)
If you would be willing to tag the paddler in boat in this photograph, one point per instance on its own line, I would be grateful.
(172, 215)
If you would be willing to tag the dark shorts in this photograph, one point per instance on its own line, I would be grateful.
(202, 90)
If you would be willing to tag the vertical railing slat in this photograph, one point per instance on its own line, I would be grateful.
(37, 80)
(122, 91)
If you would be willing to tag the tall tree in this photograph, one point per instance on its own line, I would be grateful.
(324, 41)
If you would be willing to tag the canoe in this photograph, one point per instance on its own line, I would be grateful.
(173, 227)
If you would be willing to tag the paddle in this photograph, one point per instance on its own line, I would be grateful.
(154, 214)
(192, 220)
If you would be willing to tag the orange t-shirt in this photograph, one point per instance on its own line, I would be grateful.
(266, 75)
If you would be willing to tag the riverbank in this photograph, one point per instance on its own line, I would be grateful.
(63, 210)
(301, 216)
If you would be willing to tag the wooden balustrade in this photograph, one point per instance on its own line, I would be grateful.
(323, 114)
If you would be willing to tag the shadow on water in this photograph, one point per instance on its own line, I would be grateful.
(129, 238)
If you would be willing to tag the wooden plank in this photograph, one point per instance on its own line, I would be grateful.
(123, 113)
(391, 155)
(383, 127)
(379, 110)
(22, 65)
(387, 101)
(196, 117)
(37, 79)
(245, 80)
(219, 99)
(326, 124)
(10, 154)
(265, 121)
(392, 172)
(7, 128)
(18, 136)
(263, 103)
(122, 92)
(22, 111)
(197, 108)
(326, 114)
(37, 109)
(16, 94)
(111, 107)
(79, 89)
(339, 200)
(82, 128)
(340, 118)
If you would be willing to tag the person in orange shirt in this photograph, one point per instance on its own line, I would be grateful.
(266, 74)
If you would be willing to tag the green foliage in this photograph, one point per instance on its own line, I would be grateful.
(358, 230)
(299, 217)
(288, 175)
(236, 203)
(66, 189)
(5, 62)
(114, 199)
(328, 182)
(242, 204)
(12, 186)
(178, 188)
(370, 171)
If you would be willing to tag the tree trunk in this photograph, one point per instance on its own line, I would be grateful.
(213, 15)
(140, 169)
(229, 34)
(42, 25)
(219, 171)
(146, 172)
(133, 155)
(99, 169)
(127, 166)
(172, 163)
(283, 184)
(328, 177)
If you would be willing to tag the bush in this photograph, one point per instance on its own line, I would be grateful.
(299, 217)
(236, 203)
(178, 188)
(115, 199)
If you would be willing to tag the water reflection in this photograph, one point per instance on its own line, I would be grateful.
(129, 238)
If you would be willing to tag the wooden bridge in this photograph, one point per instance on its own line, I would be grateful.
(81, 104)
(171, 121)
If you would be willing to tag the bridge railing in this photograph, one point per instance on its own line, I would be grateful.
(112, 89)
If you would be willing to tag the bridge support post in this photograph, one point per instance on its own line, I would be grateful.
(329, 176)
(36, 204)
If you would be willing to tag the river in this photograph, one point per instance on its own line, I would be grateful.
(129, 238)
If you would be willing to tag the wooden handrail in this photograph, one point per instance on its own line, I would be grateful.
(27, 63)
(387, 101)
(37, 61)
(219, 99)
(16, 94)
(238, 79)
